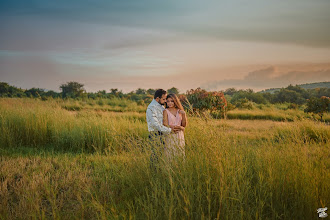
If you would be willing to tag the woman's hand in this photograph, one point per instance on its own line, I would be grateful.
(179, 128)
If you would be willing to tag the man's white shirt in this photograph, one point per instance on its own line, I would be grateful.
(155, 118)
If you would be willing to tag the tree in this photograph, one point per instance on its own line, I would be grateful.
(101, 94)
(52, 93)
(202, 100)
(286, 95)
(4, 88)
(230, 91)
(35, 92)
(72, 89)
(151, 91)
(249, 95)
(7, 90)
(114, 91)
(318, 106)
(140, 91)
(173, 90)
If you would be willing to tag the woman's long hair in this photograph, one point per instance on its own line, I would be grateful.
(176, 100)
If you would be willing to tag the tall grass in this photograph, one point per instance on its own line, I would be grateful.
(113, 105)
(95, 165)
(274, 114)
(23, 124)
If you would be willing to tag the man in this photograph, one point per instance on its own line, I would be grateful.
(156, 128)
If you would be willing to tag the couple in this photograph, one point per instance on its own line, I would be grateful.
(166, 125)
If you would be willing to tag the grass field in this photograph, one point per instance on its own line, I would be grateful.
(93, 163)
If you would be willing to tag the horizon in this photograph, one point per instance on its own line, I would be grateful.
(180, 92)
(149, 44)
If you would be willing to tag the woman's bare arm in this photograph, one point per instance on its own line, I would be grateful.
(184, 122)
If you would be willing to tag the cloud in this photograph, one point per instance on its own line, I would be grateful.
(96, 69)
(302, 22)
(270, 78)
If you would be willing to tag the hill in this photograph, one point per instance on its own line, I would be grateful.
(305, 86)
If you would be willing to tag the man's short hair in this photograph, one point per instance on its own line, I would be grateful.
(159, 93)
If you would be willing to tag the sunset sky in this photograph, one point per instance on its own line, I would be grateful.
(130, 44)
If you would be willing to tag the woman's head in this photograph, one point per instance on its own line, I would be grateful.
(173, 101)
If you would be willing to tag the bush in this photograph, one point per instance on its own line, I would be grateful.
(249, 95)
(100, 102)
(293, 106)
(201, 100)
(244, 104)
(141, 102)
(318, 106)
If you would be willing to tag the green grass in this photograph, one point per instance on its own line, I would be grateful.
(113, 105)
(274, 113)
(60, 164)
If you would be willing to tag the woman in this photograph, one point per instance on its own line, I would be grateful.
(174, 116)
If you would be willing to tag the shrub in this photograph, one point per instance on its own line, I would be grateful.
(318, 106)
(202, 100)
(244, 103)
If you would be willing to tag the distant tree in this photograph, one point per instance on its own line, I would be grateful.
(52, 93)
(135, 97)
(268, 96)
(250, 91)
(35, 92)
(4, 87)
(120, 94)
(101, 94)
(303, 92)
(72, 89)
(319, 92)
(230, 91)
(151, 91)
(91, 95)
(173, 90)
(249, 95)
(290, 96)
(318, 106)
(114, 91)
(140, 91)
(148, 98)
(7, 90)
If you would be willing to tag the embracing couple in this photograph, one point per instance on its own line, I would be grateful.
(166, 124)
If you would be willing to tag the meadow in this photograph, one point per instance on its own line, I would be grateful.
(91, 160)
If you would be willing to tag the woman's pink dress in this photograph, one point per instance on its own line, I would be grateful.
(174, 142)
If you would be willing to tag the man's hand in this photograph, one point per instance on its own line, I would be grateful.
(173, 130)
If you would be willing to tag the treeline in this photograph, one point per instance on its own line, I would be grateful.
(290, 94)
(316, 100)
(75, 90)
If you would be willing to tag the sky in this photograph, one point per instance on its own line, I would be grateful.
(129, 44)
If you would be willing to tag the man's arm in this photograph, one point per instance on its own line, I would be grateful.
(165, 119)
(155, 123)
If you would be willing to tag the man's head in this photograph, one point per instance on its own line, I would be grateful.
(160, 96)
